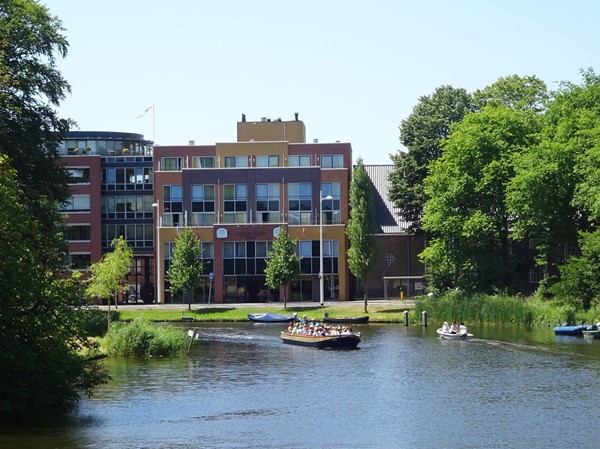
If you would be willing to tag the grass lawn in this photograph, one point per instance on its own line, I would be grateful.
(389, 313)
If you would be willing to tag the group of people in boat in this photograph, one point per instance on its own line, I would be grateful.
(317, 329)
(454, 328)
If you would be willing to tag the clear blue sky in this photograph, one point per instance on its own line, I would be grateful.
(353, 70)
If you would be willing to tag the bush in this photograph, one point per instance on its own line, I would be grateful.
(141, 338)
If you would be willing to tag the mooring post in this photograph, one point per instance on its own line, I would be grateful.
(424, 316)
(406, 317)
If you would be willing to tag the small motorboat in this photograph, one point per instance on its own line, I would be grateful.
(346, 341)
(591, 330)
(345, 319)
(271, 317)
(576, 330)
(454, 336)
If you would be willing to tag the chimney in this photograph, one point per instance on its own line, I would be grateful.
(296, 115)
(190, 142)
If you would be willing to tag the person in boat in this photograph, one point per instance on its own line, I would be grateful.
(446, 327)
(454, 328)
(303, 320)
(462, 330)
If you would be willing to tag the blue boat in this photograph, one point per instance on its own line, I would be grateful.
(271, 317)
(576, 330)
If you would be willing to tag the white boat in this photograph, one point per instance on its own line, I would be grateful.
(453, 336)
(591, 330)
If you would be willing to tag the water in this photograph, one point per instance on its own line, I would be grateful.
(242, 388)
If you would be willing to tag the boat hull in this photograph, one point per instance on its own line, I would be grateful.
(325, 342)
(449, 336)
(569, 330)
(270, 318)
(357, 320)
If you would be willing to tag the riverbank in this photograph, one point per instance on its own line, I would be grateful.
(379, 311)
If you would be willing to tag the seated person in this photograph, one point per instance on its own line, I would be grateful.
(446, 327)
(454, 328)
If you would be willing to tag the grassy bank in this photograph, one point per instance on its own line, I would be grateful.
(392, 313)
(472, 309)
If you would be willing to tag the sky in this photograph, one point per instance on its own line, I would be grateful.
(184, 70)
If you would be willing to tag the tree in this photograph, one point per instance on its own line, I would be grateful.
(514, 91)
(41, 331)
(422, 134)
(361, 227)
(42, 336)
(283, 263)
(186, 268)
(109, 275)
(30, 129)
(466, 213)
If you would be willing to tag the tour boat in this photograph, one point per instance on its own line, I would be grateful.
(346, 341)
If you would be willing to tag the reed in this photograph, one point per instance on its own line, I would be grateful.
(499, 309)
(141, 338)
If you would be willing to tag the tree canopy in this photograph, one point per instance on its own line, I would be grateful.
(283, 262)
(422, 134)
(186, 267)
(361, 227)
(42, 335)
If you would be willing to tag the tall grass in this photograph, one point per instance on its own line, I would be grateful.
(141, 338)
(500, 309)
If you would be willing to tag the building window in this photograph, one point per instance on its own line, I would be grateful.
(79, 175)
(300, 203)
(77, 233)
(127, 178)
(310, 262)
(331, 207)
(236, 161)
(332, 161)
(171, 163)
(267, 203)
(127, 206)
(299, 161)
(137, 235)
(267, 161)
(77, 203)
(79, 261)
(173, 205)
(235, 203)
(203, 162)
(245, 258)
(203, 205)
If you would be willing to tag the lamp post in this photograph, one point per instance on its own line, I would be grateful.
(321, 280)
(158, 264)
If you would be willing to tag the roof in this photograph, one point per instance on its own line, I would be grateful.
(387, 216)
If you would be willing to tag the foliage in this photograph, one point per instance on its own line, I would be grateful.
(109, 274)
(516, 92)
(142, 338)
(30, 130)
(422, 134)
(42, 337)
(579, 284)
(283, 263)
(186, 267)
(42, 334)
(466, 213)
(497, 309)
(361, 226)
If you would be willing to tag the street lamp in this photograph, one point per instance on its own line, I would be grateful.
(321, 280)
(158, 264)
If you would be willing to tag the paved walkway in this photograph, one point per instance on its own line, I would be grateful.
(358, 303)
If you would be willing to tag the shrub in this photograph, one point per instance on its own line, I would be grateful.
(141, 338)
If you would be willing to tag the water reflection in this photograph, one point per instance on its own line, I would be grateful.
(242, 388)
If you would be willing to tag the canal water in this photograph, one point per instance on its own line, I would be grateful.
(240, 387)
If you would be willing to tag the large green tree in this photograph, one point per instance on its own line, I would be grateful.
(422, 134)
(466, 213)
(41, 332)
(361, 227)
(186, 267)
(42, 336)
(283, 263)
